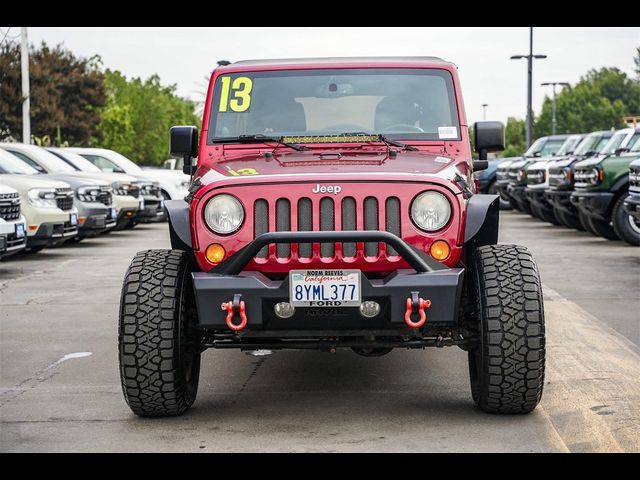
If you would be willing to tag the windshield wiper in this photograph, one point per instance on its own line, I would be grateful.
(258, 137)
(383, 139)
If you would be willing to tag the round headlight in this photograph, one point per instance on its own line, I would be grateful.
(430, 211)
(224, 214)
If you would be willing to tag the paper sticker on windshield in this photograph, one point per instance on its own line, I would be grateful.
(447, 132)
(236, 95)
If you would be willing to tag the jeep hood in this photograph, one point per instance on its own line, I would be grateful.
(327, 163)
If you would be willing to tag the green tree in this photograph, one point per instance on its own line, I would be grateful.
(636, 60)
(597, 102)
(137, 117)
(66, 93)
(514, 137)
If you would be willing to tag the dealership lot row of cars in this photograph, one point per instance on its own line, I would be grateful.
(52, 195)
(586, 182)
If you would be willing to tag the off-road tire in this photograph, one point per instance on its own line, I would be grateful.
(568, 220)
(506, 366)
(159, 363)
(525, 207)
(549, 216)
(584, 220)
(622, 223)
(603, 229)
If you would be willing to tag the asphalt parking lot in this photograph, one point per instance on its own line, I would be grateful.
(60, 390)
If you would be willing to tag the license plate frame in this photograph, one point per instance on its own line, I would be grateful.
(346, 293)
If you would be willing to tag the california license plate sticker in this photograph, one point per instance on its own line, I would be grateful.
(324, 288)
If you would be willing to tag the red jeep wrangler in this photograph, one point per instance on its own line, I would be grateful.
(333, 206)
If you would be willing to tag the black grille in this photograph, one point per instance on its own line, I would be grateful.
(149, 189)
(134, 191)
(326, 209)
(349, 223)
(9, 206)
(634, 179)
(535, 177)
(261, 223)
(105, 197)
(371, 223)
(64, 198)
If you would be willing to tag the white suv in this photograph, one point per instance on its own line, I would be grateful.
(13, 233)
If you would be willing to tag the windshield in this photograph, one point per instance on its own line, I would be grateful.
(634, 143)
(545, 147)
(46, 160)
(102, 163)
(614, 142)
(10, 163)
(76, 161)
(569, 145)
(590, 143)
(414, 104)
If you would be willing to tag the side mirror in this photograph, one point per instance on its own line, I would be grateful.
(537, 154)
(488, 137)
(184, 143)
(620, 151)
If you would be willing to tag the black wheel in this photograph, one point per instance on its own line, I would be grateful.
(568, 220)
(514, 204)
(534, 212)
(624, 225)
(506, 366)
(159, 364)
(525, 207)
(603, 229)
(584, 220)
(549, 216)
(493, 191)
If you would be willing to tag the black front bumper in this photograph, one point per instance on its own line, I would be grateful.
(50, 234)
(434, 281)
(593, 204)
(631, 205)
(537, 197)
(502, 189)
(561, 200)
(517, 193)
(152, 212)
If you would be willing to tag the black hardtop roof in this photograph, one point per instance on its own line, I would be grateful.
(334, 60)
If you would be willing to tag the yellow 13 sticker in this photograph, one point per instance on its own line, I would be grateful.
(241, 94)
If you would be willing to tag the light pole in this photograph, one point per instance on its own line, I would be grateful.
(484, 111)
(26, 104)
(553, 108)
(529, 58)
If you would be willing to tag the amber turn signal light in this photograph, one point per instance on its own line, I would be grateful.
(440, 250)
(215, 253)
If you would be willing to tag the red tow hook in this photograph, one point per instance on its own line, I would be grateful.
(416, 305)
(235, 307)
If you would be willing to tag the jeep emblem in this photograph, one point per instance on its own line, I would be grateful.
(335, 189)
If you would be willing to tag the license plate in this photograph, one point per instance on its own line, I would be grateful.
(19, 230)
(324, 288)
(142, 204)
(161, 203)
(112, 213)
(73, 219)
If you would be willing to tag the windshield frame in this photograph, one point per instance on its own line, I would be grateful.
(450, 82)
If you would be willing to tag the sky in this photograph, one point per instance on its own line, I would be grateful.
(185, 56)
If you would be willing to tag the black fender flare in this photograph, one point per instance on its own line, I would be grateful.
(620, 183)
(179, 227)
(483, 211)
